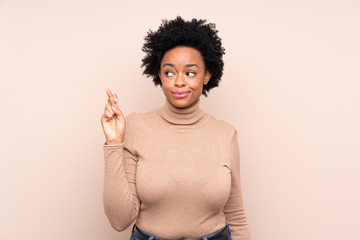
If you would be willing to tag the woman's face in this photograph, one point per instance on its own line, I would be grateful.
(183, 75)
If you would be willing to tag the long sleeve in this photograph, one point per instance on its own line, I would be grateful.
(234, 208)
(187, 180)
(121, 203)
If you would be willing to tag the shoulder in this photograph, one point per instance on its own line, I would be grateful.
(139, 121)
(138, 126)
(222, 127)
(136, 118)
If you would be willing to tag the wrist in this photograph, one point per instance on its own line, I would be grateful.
(114, 142)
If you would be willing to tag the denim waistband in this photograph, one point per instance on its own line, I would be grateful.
(150, 237)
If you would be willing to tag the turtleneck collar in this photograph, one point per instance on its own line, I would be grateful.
(181, 116)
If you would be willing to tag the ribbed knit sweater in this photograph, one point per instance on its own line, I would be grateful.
(177, 174)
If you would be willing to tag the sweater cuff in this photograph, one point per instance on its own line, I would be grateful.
(105, 146)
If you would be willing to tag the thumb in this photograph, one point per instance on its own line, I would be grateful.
(120, 115)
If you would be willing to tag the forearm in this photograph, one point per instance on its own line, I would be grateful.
(234, 209)
(237, 222)
(118, 199)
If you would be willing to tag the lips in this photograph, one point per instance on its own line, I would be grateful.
(180, 94)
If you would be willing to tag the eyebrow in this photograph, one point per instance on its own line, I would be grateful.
(187, 65)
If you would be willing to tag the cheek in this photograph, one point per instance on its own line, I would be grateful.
(198, 85)
(197, 90)
(165, 87)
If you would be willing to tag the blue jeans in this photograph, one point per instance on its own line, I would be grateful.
(133, 237)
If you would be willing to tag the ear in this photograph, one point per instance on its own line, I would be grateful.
(159, 75)
(207, 77)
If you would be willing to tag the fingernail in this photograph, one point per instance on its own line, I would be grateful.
(116, 100)
(113, 108)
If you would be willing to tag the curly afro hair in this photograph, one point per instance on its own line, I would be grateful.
(178, 32)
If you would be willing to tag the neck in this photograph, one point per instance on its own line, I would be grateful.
(181, 116)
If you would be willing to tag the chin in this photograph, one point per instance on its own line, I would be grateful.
(180, 103)
(183, 103)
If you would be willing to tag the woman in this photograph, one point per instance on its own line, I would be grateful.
(175, 170)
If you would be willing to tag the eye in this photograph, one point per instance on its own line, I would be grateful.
(191, 74)
(169, 74)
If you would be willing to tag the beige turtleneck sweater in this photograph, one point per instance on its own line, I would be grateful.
(177, 174)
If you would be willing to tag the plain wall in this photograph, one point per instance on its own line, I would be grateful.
(291, 87)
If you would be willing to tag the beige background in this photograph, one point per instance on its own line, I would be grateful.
(291, 88)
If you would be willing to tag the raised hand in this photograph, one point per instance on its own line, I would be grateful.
(113, 121)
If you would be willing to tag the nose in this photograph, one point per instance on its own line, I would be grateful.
(180, 80)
